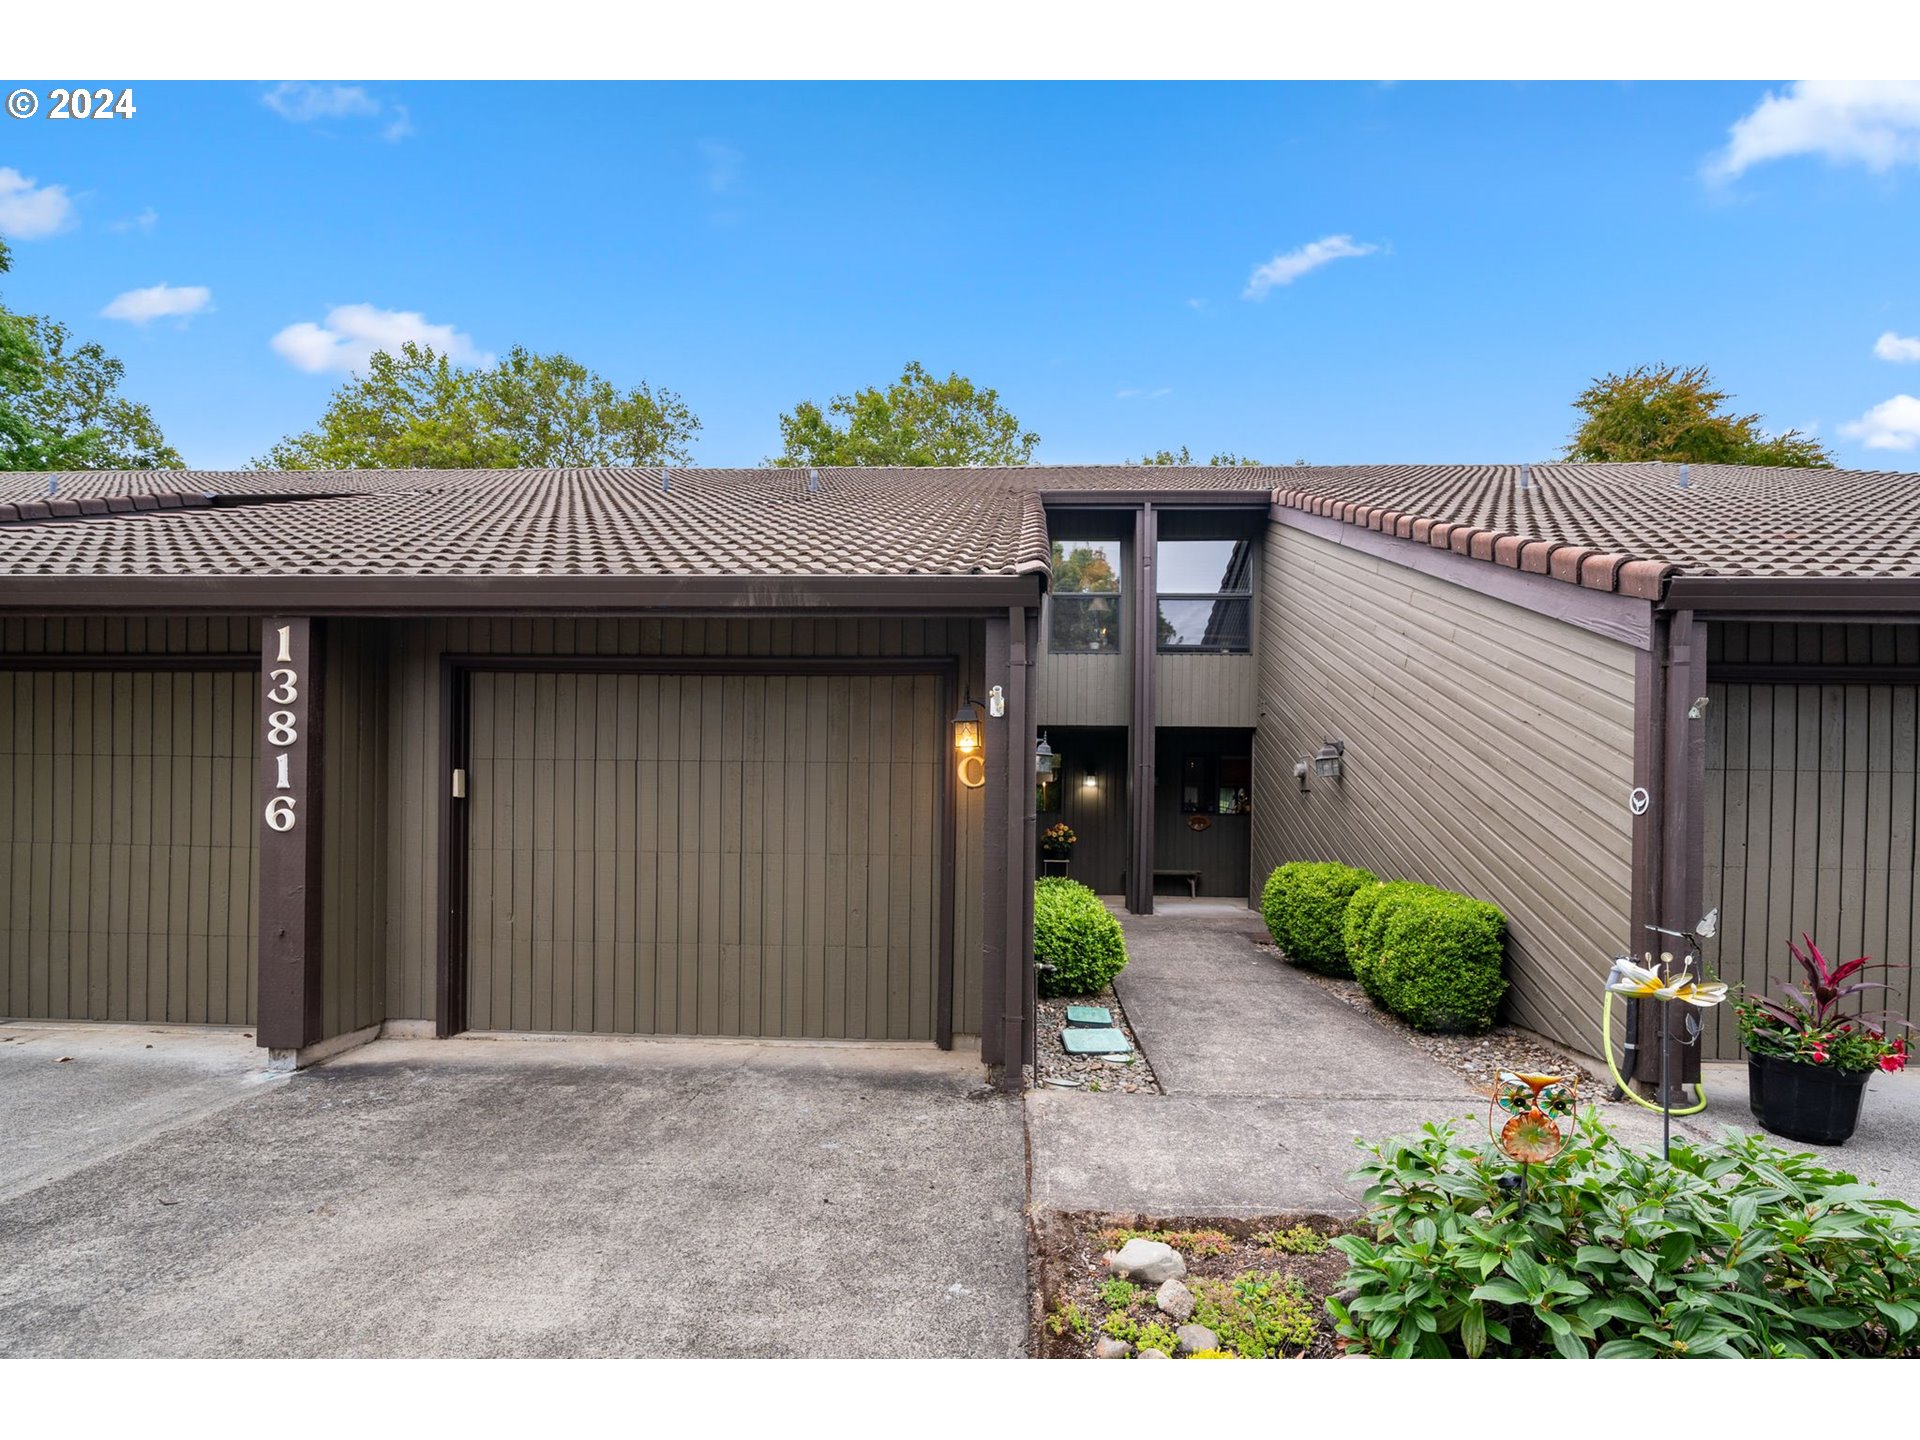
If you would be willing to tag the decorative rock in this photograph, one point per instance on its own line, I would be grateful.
(1196, 1337)
(1146, 1262)
(1348, 1295)
(1174, 1299)
(1152, 1354)
(1108, 1348)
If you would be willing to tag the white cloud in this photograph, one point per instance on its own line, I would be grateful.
(1196, 303)
(723, 166)
(1891, 425)
(157, 302)
(29, 211)
(352, 333)
(143, 222)
(1897, 347)
(1143, 394)
(1875, 123)
(1288, 267)
(304, 102)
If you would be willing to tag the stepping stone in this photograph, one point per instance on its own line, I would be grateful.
(1097, 1015)
(1087, 1041)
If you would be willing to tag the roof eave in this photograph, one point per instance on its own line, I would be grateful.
(1791, 595)
(482, 594)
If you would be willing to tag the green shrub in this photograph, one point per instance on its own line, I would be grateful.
(1365, 922)
(1304, 904)
(1438, 962)
(1077, 935)
(1734, 1248)
(1142, 1335)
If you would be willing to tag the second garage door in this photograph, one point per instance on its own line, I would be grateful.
(704, 854)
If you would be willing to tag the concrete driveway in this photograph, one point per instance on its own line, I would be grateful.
(477, 1197)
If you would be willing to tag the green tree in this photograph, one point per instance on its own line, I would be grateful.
(917, 420)
(1183, 456)
(60, 404)
(1661, 412)
(418, 410)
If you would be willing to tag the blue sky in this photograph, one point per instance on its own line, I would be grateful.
(1090, 250)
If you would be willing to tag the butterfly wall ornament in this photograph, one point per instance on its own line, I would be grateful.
(1528, 1113)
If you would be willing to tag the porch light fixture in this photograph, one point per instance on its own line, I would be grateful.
(1329, 759)
(1043, 758)
(1090, 781)
(966, 728)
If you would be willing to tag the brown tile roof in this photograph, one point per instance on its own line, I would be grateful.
(1624, 527)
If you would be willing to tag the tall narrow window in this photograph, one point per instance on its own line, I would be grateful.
(1086, 597)
(1206, 595)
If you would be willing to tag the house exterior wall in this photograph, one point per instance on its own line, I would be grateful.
(1489, 750)
(413, 749)
(1221, 850)
(354, 859)
(1097, 816)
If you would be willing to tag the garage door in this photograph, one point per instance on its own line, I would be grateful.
(129, 882)
(703, 854)
(1810, 826)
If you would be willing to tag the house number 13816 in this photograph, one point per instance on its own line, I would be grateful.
(282, 731)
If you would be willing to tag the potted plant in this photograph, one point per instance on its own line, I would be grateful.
(1808, 1063)
(1056, 846)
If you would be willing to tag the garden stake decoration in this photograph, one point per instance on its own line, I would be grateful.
(1660, 983)
(1535, 1107)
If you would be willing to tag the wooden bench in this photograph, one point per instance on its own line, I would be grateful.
(1192, 878)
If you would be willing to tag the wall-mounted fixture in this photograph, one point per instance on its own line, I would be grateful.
(966, 728)
(1090, 781)
(997, 702)
(1330, 759)
(1301, 771)
(1043, 758)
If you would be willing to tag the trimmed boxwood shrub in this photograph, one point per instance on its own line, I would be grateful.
(1366, 922)
(1305, 905)
(1076, 935)
(1433, 957)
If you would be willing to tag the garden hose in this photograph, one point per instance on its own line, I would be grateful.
(1619, 1081)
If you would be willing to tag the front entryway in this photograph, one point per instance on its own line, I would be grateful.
(750, 854)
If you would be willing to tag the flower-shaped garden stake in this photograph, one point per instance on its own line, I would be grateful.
(1526, 1116)
(1663, 985)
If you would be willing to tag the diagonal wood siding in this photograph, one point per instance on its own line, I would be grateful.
(1489, 750)
(127, 871)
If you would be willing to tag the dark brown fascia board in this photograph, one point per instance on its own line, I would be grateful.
(1618, 617)
(1165, 499)
(514, 594)
(1780, 597)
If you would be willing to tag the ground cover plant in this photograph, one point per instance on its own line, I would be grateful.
(1305, 904)
(1734, 1248)
(1076, 939)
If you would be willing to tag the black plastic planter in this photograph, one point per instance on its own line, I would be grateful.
(1815, 1104)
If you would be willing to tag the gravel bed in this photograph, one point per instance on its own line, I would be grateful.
(1066, 1268)
(1062, 1071)
(1477, 1059)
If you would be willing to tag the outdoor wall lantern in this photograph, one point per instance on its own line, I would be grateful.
(1090, 781)
(1329, 759)
(1043, 758)
(966, 728)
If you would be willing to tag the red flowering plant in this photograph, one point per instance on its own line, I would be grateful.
(1808, 1025)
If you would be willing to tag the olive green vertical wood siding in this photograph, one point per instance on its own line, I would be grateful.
(1083, 689)
(1097, 816)
(1208, 690)
(354, 835)
(1811, 801)
(705, 855)
(1221, 852)
(1489, 750)
(127, 873)
(416, 782)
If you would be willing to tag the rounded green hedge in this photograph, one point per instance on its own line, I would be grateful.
(1076, 935)
(1365, 924)
(1432, 957)
(1305, 904)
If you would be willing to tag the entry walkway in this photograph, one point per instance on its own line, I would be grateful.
(1269, 1080)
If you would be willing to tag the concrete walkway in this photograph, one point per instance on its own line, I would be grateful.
(1269, 1080)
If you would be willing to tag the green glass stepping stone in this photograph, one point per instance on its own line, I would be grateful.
(1090, 1015)
(1089, 1041)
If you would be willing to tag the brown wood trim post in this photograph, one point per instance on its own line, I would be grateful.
(1016, 744)
(1649, 765)
(1683, 851)
(1030, 798)
(452, 753)
(1141, 719)
(945, 826)
(994, 859)
(292, 747)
